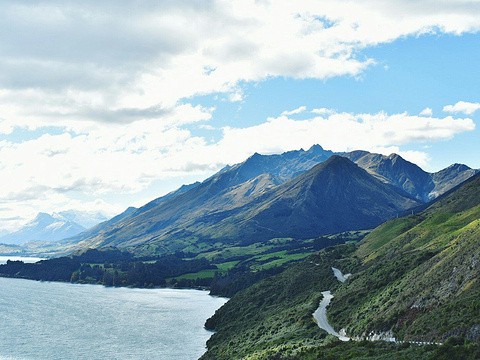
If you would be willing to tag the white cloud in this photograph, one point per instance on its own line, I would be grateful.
(426, 112)
(120, 62)
(323, 111)
(462, 106)
(236, 96)
(298, 110)
(340, 132)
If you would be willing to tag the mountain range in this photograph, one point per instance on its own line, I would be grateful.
(395, 170)
(297, 194)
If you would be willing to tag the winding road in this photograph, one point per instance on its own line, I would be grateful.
(338, 274)
(320, 314)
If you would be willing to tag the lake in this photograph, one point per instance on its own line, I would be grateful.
(3, 259)
(47, 320)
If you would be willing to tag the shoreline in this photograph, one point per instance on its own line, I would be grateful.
(199, 288)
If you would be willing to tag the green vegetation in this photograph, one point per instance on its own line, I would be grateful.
(255, 320)
(414, 278)
(276, 312)
(272, 320)
(226, 269)
(422, 284)
(332, 349)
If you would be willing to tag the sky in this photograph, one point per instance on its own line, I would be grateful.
(109, 104)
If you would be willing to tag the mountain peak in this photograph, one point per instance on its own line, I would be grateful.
(253, 159)
(459, 167)
(43, 216)
(44, 227)
(316, 148)
(334, 196)
(337, 160)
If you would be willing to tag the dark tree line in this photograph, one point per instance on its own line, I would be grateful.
(60, 269)
(110, 267)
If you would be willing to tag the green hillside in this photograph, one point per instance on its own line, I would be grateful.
(276, 312)
(414, 278)
(272, 320)
(419, 274)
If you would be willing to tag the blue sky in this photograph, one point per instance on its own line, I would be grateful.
(411, 74)
(107, 105)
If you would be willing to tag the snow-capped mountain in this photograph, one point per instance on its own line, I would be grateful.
(44, 227)
(87, 219)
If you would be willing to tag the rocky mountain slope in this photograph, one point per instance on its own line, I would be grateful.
(334, 196)
(395, 170)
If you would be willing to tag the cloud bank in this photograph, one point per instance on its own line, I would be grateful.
(122, 62)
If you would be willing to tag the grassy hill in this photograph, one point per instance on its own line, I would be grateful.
(419, 275)
(272, 320)
(414, 278)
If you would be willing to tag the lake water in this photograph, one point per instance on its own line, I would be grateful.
(47, 320)
(3, 259)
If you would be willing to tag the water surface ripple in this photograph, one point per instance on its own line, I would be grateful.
(47, 320)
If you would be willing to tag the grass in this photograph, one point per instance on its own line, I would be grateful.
(236, 251)
(277, 259)
(206, 274)
(428, 266)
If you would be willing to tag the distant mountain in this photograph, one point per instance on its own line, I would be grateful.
(395, 170)
(334, 196)
(450, 177)
(44, 227)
